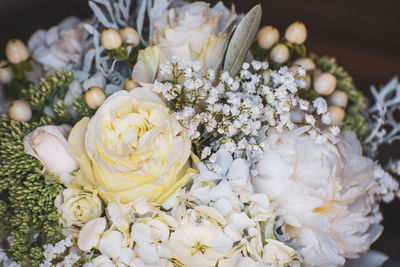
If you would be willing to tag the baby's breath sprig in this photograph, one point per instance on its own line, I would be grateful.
(235, 112)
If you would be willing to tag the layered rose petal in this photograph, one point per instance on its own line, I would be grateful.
(132, 147)
(191, 32)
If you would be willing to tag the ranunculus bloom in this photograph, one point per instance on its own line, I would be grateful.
(78, 206)
(49, 145)
(192, 32)
(324, 192)
(132, 147)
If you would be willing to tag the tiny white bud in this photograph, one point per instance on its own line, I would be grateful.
(305, 63)
(280, 53)
(296, 33)
(16, 51)
(94, 97)
(6, 74)
(337, 114)
(20, 110)
(129, 35)
(339, 98)
(130, 84)
(325, 83)
(111, 39)
(267, 37)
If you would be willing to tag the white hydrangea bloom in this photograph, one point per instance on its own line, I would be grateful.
(199, 241)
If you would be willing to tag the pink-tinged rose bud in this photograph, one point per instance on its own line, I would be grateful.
(49, 145)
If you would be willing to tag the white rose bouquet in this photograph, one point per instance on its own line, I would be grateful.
(181, 134)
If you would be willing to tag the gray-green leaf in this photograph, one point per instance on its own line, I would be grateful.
(241, 40)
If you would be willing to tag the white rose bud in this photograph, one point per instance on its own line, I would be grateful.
(111, 39)
(49, 145)
(129, 35)
(6, 74)
(77, 207)
(20, 110)
(16, 51)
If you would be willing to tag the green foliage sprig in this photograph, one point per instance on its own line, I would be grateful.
(51, 93)
(27, 194)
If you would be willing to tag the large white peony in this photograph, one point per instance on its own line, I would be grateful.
(324, 193)
(192, 32)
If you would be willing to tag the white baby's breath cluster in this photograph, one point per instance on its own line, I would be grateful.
(233, 111)
(62, 253)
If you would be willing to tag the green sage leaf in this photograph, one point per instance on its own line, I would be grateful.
(241, 40)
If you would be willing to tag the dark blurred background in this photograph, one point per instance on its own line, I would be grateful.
(364, 36)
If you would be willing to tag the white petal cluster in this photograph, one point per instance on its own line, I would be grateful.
(326, 194)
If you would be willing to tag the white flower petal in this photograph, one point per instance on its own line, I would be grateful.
(239, 170)
(102, 261)
(147, 252)
(126, 256)
(111, 244)
(90, 233)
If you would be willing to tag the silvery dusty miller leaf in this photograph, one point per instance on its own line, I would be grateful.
(242, 39)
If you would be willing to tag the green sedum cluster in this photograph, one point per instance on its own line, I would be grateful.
(27, 193)
(51, 93)
(27, 211)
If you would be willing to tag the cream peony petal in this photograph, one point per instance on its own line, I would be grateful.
(111, 244)
(90, 233)
(146, 67)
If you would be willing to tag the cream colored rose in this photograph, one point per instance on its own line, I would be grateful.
(192, 32)
(132, 147)
(78, 206)
(49, 145)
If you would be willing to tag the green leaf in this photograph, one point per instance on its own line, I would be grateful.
(241, 40)
(301, 50)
